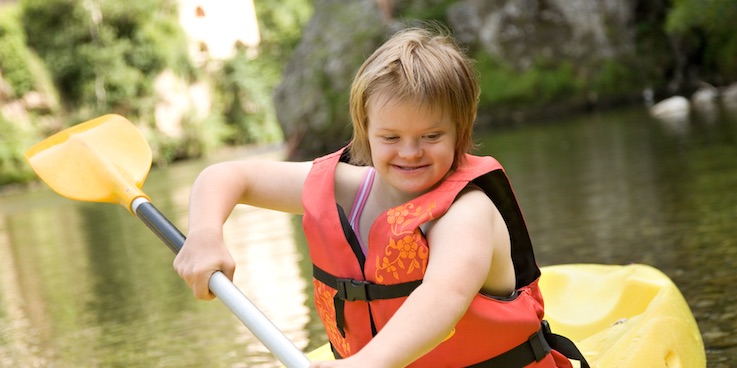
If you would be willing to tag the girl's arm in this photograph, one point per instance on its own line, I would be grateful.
(459, 265)
(216, 191)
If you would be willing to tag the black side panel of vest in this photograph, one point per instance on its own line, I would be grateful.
(497, 187)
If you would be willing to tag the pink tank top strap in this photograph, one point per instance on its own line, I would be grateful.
(354, 217)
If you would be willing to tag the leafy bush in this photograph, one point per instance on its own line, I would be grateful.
(245, 83)
(104, 55)
(14, 54)
(280, 24)
(244, 87)
(706, 29)
(504, 85)
(13, 143)
(615, 78)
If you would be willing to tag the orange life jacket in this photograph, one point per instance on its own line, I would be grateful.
(355, 295)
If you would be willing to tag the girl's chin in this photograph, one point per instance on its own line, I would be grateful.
(412, 187)
(412, 181)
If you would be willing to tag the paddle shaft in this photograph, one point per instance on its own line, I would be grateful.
(274, 340)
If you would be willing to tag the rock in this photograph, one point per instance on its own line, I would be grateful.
(312, 100)
(176, 99)
(729, 97)
(706, 95)
(6, 91)
(675, 105)
(523, 32)
(171, 104)
(15, 111)
(38, 102)
(705, 103)
(673, 114)
(545, 36)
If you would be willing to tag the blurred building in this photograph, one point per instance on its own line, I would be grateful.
(216, 28)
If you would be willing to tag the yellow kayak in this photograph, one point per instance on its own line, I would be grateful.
(618, 316)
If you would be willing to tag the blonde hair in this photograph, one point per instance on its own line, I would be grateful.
(416, 65)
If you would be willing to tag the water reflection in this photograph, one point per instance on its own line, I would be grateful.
(87, 285)
(14, 319)
(263, 246)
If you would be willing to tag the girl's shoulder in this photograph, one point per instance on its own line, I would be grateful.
(348, 179)
(347, 173)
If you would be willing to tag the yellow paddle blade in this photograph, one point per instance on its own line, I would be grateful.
(105, 159)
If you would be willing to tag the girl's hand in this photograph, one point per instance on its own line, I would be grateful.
(204, 253)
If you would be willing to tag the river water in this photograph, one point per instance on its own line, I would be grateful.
(88, 285)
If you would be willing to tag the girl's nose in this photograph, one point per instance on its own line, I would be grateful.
(410, 149)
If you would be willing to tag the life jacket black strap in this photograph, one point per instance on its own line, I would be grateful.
(351, 290)
(566, 347)
(537, 347)
(533, 350)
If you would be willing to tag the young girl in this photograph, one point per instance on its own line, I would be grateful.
(421, 255)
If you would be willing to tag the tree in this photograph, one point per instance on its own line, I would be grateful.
(103, 54)
(705, 32)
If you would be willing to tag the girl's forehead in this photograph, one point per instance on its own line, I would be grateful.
(405, 109)
(382, 101)
(408, 117)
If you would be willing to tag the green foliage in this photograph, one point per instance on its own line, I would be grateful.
(422, 10)
(245, 83)
(104, 54)
(653, 53)
(707, 26)
(715, 16)
(244, 86)
(614, 78)
(14, 140)
(14, 54)
(280, 24)
(543, 83)
(200, 137)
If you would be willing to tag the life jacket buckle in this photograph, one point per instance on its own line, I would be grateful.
(352, 290)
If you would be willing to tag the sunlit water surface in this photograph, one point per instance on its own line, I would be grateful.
(88, 285)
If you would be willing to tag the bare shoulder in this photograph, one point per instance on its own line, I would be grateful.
(473, 223)
(472, 201)
(347, 180)
(472, 211)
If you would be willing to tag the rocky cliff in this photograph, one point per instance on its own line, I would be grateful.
(531, 55)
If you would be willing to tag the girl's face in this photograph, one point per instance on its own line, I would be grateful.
(412, 146)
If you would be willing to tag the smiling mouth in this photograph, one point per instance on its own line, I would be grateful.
(409, 168)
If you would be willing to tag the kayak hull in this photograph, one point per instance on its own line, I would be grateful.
(622, 316)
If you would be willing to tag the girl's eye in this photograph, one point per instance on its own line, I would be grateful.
(390, 138)
(432, 136)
